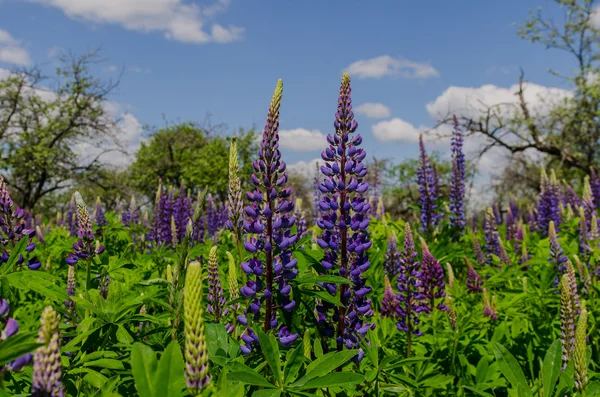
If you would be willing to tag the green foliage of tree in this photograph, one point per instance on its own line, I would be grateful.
(54, 131)
(190, 153)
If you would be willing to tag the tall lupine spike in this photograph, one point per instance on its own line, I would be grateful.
(99, 215)
(215, 297)
(196, 351)
(391, 265)
(474, 282)
(71, 284)
(583, 233)
(449, 302)
(300, 215)
(212, 216)
(479, 255)
(511, 225)
(232, 281)
(71, 217)
(556, 254)
(234, 204)
(519, 235)
(174, 241)
(381, 211)
(432, 279)
(548, 205)
(317, 194)
(154, 233)
(587, 200)
(569, 214)
(389, 303)
(492, 240)
(410, 297)
(46, 379)
(182, 211)
(514, 207)
(525, 256)
(595, 187)
(497, 214)
(570, 196)
(567, 321)
(450, 274)
(593, 231)
(570, 272)
(344, 221)
(103, 283)
(580, 356)
(84, 248)
(269, 225)
(145, 220)
(504, 259)
(457, 181)
(584, 275)
(474, 222)
(134, 211)
(489, 310)
(532, 220)
(427, 190)
(118, 206)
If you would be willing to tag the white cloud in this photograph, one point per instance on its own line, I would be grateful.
(177, 19)
(374, 110)
(386, 65)
(11, 50)
(396, 129)
(302, 140)
(307, 169)
(470, 101)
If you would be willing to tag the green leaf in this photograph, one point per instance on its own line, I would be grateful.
(143, 368)
(313, 279)
(324, 295)
(170, 379)
(105, 363)
(216, 338)
(250, 377)
(266, 393)
(14, 255)
(482, 370)
(293, 363)
(270, 349)
(123, 336)
(477, 391)
(510, 368)
(324, 365)
(343, 379)
(95, 379)
(17, 345)
(551, 368)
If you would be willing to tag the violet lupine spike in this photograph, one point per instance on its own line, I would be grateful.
(556, 254)
(344, 221)
(567, 321)
(504, 259)
(317, 194)
(519, 236)
(492, 240)
(532, 220)
(410, 296)
(584, 247)
(431, 279)
(525, 256)
(71, 284)
(489, 310)
(8, 328)
(84, 247)
(570, 196)
(300, 215)
(133, 213)
(457, 181)
(514, 207)
(479, 255)
(154, 232)
(511, 225)
(427, 190)
(99, 215)
(548, 205)
(182, 212)
(47, 373)
(474, 282)
(212, 217)
(215, 297)
(71, 217)
(269, 223)
(103, 285)
(474, 222)
(497, 214)
(391, 265)
(235, 204)
(587, 201)
(389, 303)
(595, 187)
(570, 272)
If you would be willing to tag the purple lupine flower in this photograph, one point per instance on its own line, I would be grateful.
(268, 225)
(166, 218)
(9, 328)
(154, 232)
(525, 256)
(548, 205)
(131, 215)
(427, 190)
(584, 247)
(317, 194)
(479, 255)
(71, 284)
(570, 272)
(457, 181)
(489, 310)
(431, 279)
(212, 216)
(410, 297)
(567, 321)
(199, 226)
(492, 240)
(182, 212)
(514, 207)
(497, 213)
(235, 205)
(300, 215)
(84, 247)
(215, 297)
(13, 230)
(474, 222)
(71, 216)
(346, 250)
(391, 264)
(46, 379)
(587, 201)
(595, 187)
(511, 225)
(99, 215)
(556, 255)
(389, 303)
(103, 283)
(474, 282)
(571, 197)
(519, 236)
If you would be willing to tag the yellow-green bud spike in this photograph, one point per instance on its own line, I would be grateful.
(580, 356)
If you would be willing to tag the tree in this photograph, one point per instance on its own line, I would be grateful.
(54, 135)
(566, 134)
(196, 155)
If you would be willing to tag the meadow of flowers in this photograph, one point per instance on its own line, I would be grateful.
(257, 297)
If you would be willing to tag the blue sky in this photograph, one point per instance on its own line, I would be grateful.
(184, 59)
